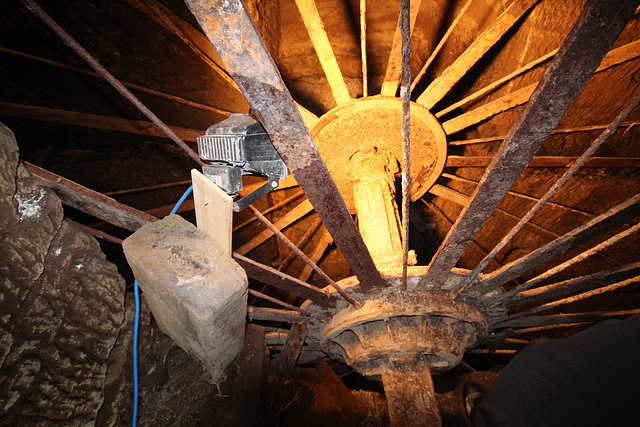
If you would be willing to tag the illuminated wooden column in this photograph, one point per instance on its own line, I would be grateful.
(374, 196)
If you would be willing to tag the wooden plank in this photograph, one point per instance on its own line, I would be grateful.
(481, 45)
(289, 218)
(214, 210)
(89, 201)
(292, 347)
(322, 46)
(93, 121)
(392, 75)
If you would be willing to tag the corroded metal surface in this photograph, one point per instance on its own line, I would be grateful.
(590, 39)
(428, 325)
(230, 28)
(376, 122)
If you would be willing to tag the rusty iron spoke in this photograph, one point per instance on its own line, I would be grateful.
(303, 256)
(89, 201)
(408, 13)
(277, 279)
(231, 30)
(117, 85)
(133, 86)
(485, 41)
(443, 40)
(591, 37)
(597, 143)
(547, 162)
(277, 301)
(93, 121)
(519, 97)
(268, 210)
(462, 200)
(289, 218)
(395, 64)
(578, 258)
(575, 298)
(522, 196)
(300, 243)
(611, 219)
(320, 249)
(577, 284)
(564, 319)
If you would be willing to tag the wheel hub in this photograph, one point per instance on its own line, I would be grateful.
(391, 325)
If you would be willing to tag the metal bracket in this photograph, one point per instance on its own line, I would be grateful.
(250, 198)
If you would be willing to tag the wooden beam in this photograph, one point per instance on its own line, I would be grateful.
(547, 162)
(521, 96)
(481, 45)
(603, 223)
(274, 315)
(277, 279)
(576, 284)
(289, 218)
(129, 85)
(324, 50)
(435, 52)
(497, 83)
(392, 75)
(564, 319)
(576, 259)
(320, 249)
(286, 361)
(94, 121)
(89, 201)
(489, 109)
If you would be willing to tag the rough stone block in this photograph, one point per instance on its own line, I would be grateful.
(197, 294)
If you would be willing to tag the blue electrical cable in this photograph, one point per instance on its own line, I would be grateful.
(136, 320)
